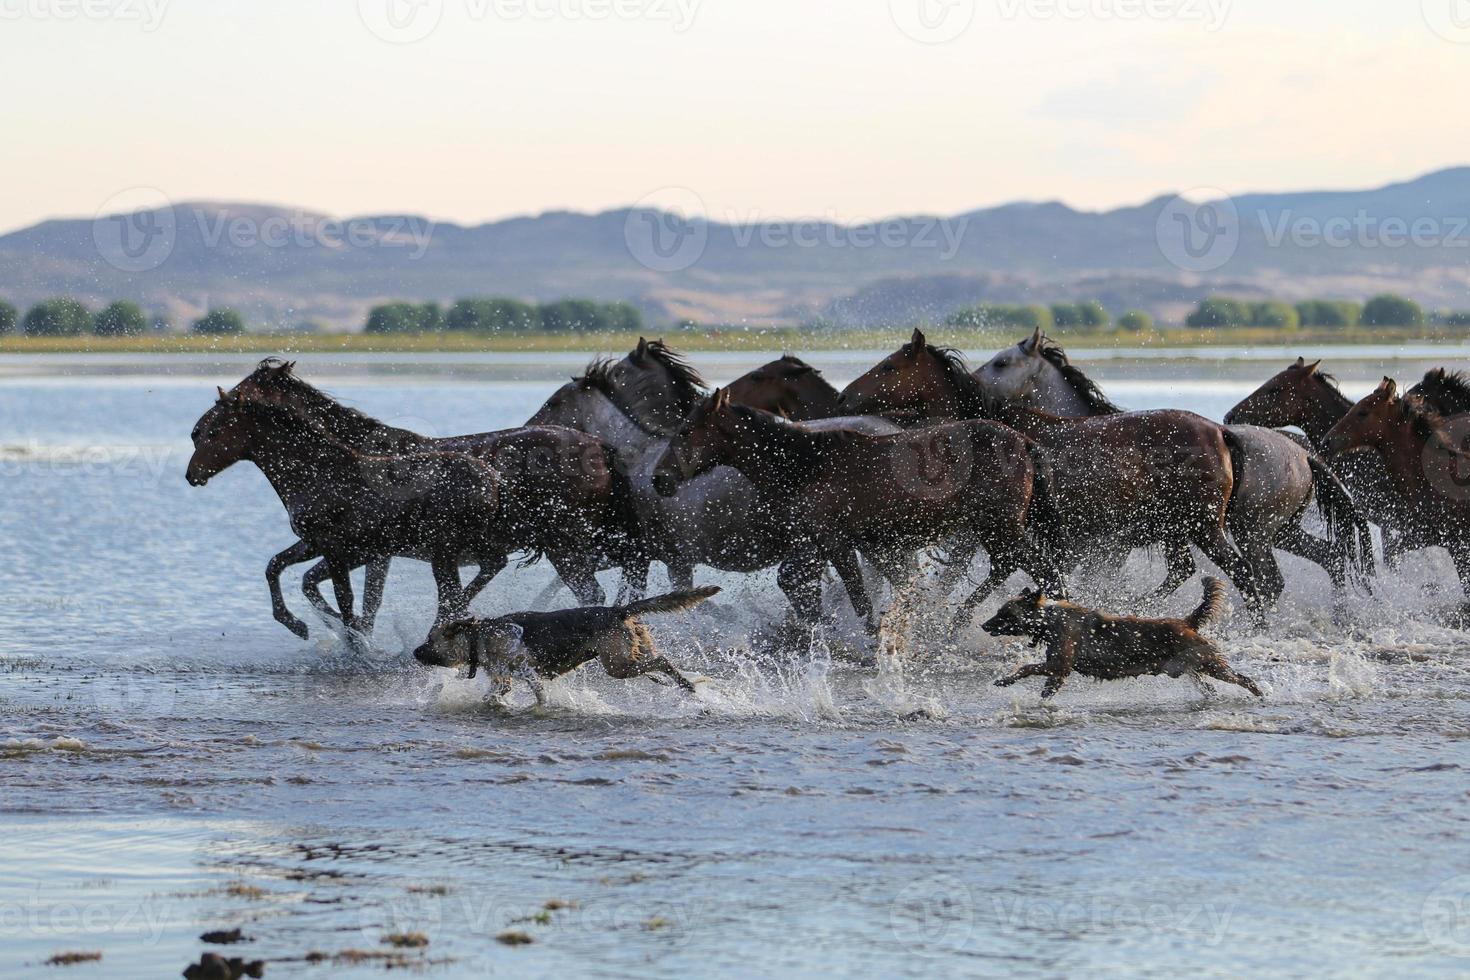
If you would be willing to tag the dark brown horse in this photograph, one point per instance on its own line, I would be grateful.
(968, 484)
(1276, 476)
(350, 507)
(1428, 472)
(1122, 480)
(1306, 397)
(716, 519)
(563, 497)
(789, 387)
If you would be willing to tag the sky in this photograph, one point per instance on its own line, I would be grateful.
(474, 110)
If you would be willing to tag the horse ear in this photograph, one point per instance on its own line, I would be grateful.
(918, 340)
(1312, 368)
(1301, 362)
(1389, 387)
(721, 399)
(642, 348)
(1033, 344)
(222, 395)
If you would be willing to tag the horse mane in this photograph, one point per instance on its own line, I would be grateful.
(974, 400)
(598, 375)
(689, 384)
(293, 417)
(1444, 391)
(1427, 423)
(343, 422)
(1086, 389)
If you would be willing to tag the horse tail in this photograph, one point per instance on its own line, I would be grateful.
(1237, 459)
(1347, 529)
(1211, 609)
(1045, 516)
(626, 537)
(671, 603)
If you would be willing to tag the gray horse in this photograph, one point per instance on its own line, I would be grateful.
(1276, 476)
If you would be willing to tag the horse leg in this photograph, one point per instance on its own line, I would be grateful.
(1180, 567)
(489, 568)
(579, 572)
(1460, 553)
(451, 595)
(372, 591)
(298, 552)
(681, 575)
(1294, 540)
(1265, 569)
(341, 573)
(1217, 548)
(800, 578)
(851, 573)
(635, 580)
(999, 572)
(311, 587)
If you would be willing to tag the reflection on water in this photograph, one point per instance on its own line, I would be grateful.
(172, 761)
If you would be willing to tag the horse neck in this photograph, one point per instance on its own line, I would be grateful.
(1404, 451)
(608, 421)
(352, 428)
(1053, 393)
(298, 460)
(772, 452)
(1324, 410)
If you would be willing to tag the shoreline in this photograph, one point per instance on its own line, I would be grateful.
(786, 339)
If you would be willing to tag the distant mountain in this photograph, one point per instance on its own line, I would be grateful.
(282, 266)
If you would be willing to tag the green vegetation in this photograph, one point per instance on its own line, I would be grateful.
(120, 319)
(1388, 310)
(1136, 321)
(60, 317)
(393, 318)
(1329, 313)
(8, 318)
(1001, 315)
(219, 323)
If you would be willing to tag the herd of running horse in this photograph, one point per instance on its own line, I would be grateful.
(1025, 459)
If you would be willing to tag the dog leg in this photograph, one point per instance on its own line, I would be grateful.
(1029, 670)
(1221, 671)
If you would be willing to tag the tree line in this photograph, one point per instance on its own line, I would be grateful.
(67, 317)
(1214, 312)
(1056, 318)
(503, 315)
(1383, 310)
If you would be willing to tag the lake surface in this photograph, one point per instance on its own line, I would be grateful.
(173, 761)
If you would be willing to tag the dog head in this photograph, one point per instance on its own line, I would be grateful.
(1024, 615)
(448, 645)
(455, 644)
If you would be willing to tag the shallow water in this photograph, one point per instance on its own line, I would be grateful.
(171, 760)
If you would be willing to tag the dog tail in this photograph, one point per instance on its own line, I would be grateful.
(1212, 609)
(671, 603)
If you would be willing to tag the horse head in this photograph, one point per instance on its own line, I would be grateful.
(1368, 423)
(917, 379)
(1283, 400)
(789, 387)
(705, 440)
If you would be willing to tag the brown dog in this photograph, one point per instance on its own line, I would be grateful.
(536, 645)
(1112, 647)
